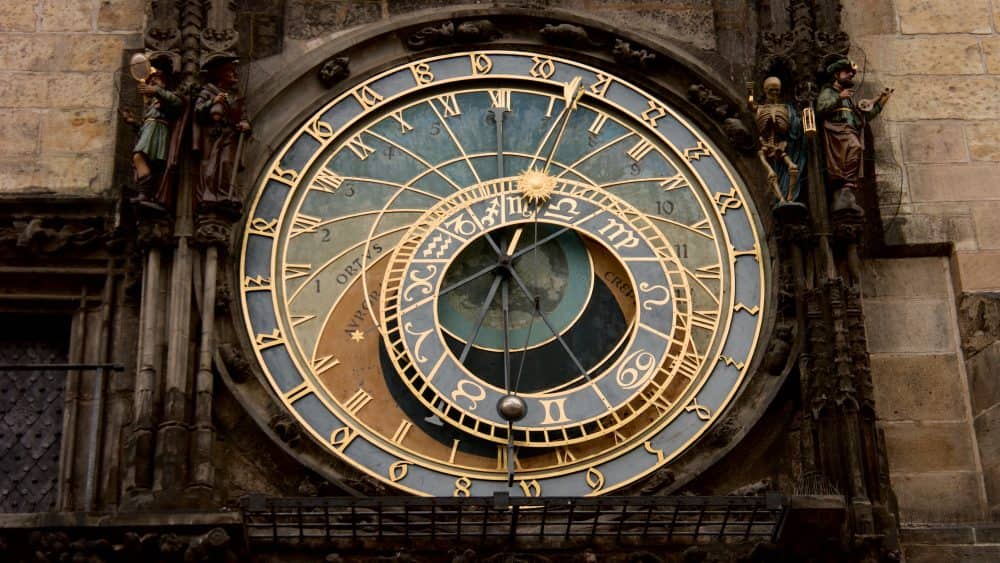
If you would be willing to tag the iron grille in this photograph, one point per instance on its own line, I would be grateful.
(335, 519)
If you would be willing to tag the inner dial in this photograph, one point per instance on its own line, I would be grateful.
(593, 381)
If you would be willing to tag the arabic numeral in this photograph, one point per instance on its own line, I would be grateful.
(317, 286)
(635, 169)
(592, 140)
(665, 207)
(389, 152)
(435, 128)
(682, 250)
(326, 235)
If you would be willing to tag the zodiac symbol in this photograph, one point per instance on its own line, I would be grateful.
(492, 212)
(421, 283)
(566, 207)
(648, 304)
(631, 376)
(444, 241)
(421, 336)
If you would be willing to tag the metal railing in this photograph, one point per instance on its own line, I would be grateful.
(663, 519)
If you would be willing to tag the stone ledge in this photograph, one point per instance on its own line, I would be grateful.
(117, 519)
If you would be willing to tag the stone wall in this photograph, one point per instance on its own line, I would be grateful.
(938, 170)
(59, 77)
(943, 59)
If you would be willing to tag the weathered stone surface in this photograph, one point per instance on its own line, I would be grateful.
(953, 182)
(18, 15)
(93, 52)
(929, 228)
(951, 553)
(978, 321)
(76, 130)
(868, 17)
(905, 277)
(943, 16)
(983, 370)
(88, 90)
(988, 533)
(63, 174)
(943, 496)
(22, 89)
(908, 325)
(917, 387)
(945, 97)
(984, 140)
(991, 54)
(936, 446)
(695, 26)
(978, 271)
(937, 535)
(987, 425)
(65, 15)
(936, 55)
(121, 15)
(312, 18)
(28, 52)
(19, 131)
(933, 142)
(991, 479)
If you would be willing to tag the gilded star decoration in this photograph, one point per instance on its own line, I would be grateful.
(536, 186)
(357, 336)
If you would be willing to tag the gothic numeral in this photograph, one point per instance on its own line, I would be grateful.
(542, 68)
(600, 88)
(697, 151)
(656, 111)
(531, 488)
(648, 446)
(342, 437)
(263, 227)
(367, 97)
(422, 73)
(256, 283)
(398, 471)
(481, 64)
(703, 412)
(267, 340)
(727, 201)
(595, 479)
(564, 455)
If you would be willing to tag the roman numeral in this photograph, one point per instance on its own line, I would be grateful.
(690, 362)
(297, 392)
(401, 431)
(357, 401)
(640, 150)
(359, 148)
(674, 183)
(403, 125)
(706, 319)
(449, 105)
(299, 319)
(709, 273)
(595, 127)
(324, 363)
(293, 271)
(303, 224)
(326, 180)
(502, 458)
(500, 98)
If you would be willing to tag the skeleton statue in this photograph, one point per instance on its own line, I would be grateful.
(782, 151)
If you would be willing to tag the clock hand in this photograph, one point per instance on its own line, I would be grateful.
(482, 316)
(571, 93)
(524, 288)
(505, 304)
(536, 244)
(498, 114)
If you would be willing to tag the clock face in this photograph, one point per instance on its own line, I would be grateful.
(499, 270)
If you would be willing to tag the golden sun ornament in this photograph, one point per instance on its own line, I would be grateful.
(536, 186)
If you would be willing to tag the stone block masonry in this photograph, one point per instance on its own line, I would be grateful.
(60, 69)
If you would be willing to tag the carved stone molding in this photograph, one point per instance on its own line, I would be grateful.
(451, 32)
(333, 71)
(569, 35)
(50, 235)
(629, 55)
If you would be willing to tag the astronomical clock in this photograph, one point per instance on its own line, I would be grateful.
(502, 271)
